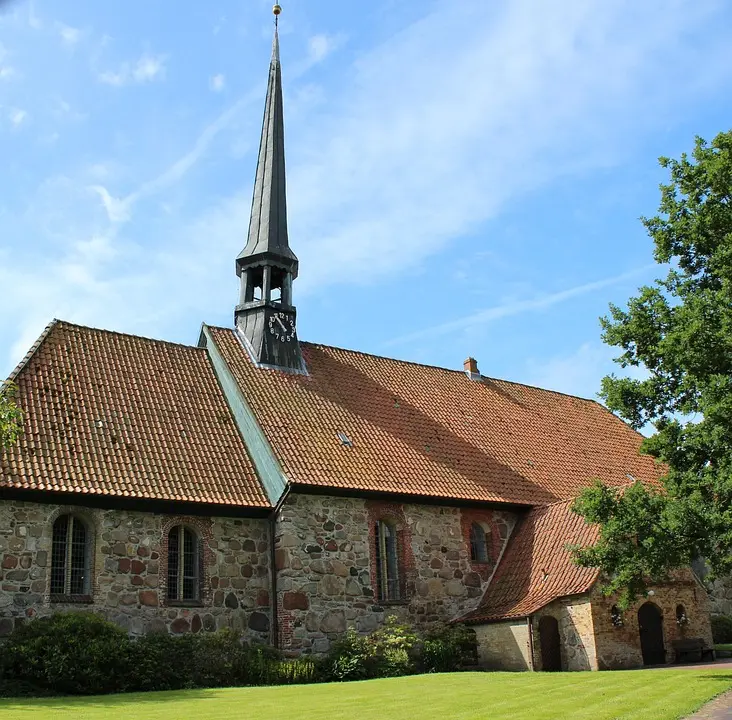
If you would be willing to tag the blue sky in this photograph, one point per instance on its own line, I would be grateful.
(464, 177)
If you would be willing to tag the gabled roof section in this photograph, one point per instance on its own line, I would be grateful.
(537, 567)
(427, 431)
(119, 415)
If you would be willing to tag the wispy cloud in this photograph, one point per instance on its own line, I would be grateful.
(217, 82)
(322, 45)
(147, 68)
(517, 307)
(70, 36)
(17, 117)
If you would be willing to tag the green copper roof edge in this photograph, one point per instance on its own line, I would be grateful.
(268, 468)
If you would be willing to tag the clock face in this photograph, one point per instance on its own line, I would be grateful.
(282, 326)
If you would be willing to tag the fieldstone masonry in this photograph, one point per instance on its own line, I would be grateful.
(326, 579)
(129, 570)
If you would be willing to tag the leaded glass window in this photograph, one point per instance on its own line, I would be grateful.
(183, 565)
(70, 557)
(478, 544)
(387, 562)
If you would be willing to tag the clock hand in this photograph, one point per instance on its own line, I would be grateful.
(282, 325)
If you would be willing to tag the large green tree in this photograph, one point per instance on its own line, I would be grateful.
(678, 331)
(11, 417)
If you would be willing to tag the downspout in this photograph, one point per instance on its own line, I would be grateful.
(530, 626)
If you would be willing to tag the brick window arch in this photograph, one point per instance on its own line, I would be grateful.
(71, 559)
(185, 561)
(387, 552)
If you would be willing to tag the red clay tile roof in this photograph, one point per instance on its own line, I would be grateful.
(536, 567)
(429, 431)
(117, 415)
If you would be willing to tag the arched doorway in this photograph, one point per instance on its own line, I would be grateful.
(650, 625)
(551, 654)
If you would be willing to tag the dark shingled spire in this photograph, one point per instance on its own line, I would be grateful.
(268, 242)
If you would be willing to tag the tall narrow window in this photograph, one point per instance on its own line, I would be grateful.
(183, 565)
(70, 557)
(387, 562)
(478, 544)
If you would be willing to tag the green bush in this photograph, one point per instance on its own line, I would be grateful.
(395, 649)
(721, 629)
(69, 653)
(388, 652)
(447, 648)
(351, 658)
(80, 653)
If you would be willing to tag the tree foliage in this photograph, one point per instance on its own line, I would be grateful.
(11, 417)
(678, 331)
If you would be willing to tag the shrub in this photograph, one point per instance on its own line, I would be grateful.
(162, 662)
(73, 653)
(388, 652)
(394, 649)
(352, 658)
(447, 648)
(722, 629)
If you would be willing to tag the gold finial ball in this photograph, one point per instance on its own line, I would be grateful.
(277, 9)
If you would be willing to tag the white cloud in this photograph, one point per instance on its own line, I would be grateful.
(69, 35)
(516, 307)
(6, 72)
(17, 117)
(578, 373)
(147, 68)
(217, 82)
(322, 45)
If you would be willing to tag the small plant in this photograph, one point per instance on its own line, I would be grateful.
(616, 617)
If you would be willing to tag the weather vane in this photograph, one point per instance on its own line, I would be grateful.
(277, 10)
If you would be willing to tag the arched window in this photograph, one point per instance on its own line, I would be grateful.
(478, 544)
(616, 617)
(70, 558)
(184, 576)
(681, 616)
(387, 562)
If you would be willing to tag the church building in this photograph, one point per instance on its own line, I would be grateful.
(292, 490)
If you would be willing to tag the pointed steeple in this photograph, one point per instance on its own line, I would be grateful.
(268, 240)
(265, 316)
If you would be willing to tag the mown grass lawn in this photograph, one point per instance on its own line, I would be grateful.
(637, 695)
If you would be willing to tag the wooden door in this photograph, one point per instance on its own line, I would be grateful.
(551, 653)
(650, 625)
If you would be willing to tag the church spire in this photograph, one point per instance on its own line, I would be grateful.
(268, 238)
(265, 315)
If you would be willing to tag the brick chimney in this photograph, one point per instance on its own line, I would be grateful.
(471, 368)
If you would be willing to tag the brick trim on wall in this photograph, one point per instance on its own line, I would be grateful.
(494, 542)
(203, 527)
(394, 513)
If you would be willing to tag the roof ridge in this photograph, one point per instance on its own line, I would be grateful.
(436, 367)
(119, 333)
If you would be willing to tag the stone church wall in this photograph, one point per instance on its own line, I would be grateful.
(130, 572)
(576, 633)
(618, 646)
(326, 572)
(503, 645)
